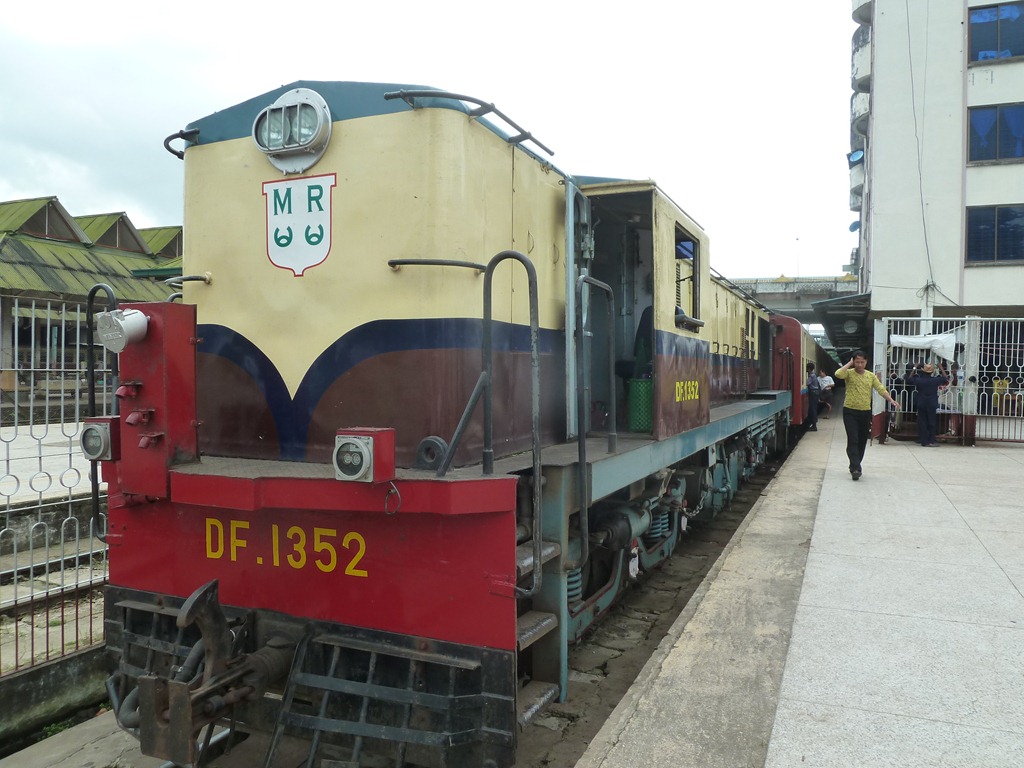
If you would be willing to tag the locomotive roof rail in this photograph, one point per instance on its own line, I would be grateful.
(740, 290)
(483, 108)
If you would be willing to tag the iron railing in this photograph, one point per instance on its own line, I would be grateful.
(52, 563)
(984, 358)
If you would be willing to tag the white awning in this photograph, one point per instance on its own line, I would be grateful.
(942, 344)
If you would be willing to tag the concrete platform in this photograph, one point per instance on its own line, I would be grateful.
(100, 743)
(868, 624)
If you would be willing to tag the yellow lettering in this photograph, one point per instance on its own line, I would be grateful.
(237, 542)
(214, 538)
(350, 569)
(298, 538)
(687, 390)
(319, 545)
(229, 537)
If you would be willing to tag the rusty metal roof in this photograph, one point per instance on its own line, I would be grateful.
(36, 266)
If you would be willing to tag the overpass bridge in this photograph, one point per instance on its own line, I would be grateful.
(794, 296)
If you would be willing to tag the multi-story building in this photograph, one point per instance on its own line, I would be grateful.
(936, 163)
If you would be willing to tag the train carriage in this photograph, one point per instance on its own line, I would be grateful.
(794, 349)
(427, 406)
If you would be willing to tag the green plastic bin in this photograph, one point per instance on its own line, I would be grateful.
(641, 405)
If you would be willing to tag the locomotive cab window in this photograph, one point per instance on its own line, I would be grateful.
(688, 257)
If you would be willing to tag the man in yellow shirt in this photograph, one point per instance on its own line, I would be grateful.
(857, 407)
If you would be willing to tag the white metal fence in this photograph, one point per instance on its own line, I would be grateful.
(52, 563)
(985, 361)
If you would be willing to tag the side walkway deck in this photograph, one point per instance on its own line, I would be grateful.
(871, 623)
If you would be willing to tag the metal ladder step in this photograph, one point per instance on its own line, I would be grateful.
(524, 556)
(532, 626)
(533, 699)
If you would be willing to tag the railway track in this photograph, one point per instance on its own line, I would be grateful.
(50, 607)
(606, 662)
(23, 587)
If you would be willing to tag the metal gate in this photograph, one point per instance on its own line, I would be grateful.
(52, 564)
(984, 358)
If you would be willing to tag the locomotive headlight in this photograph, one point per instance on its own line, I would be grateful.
(119, 328)
(353, 458)
(294, 131)
(305, 124)
(270, 130)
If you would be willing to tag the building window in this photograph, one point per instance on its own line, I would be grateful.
(995, 233)
(997, 133)
(997, 32)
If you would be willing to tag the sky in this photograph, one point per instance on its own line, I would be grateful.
(740, 110)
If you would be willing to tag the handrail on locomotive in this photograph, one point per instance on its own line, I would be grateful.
(582, 366)
(488, 364)
(484, 389)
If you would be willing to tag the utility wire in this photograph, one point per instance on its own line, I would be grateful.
(917, 138)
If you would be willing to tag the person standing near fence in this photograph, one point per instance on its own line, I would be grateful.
(857, 408)
(927, 385)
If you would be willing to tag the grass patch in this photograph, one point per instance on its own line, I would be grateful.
(54, 728)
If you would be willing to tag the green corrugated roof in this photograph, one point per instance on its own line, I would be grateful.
(113, 230)
(96, 226)
(37, 266)
(27, 216)
(16, 212)
(157, 238)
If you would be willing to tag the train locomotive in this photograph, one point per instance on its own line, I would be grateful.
(424, 407)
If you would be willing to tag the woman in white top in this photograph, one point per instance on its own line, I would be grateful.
(828, 390)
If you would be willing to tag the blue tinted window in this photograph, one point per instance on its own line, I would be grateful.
(995, 233)
(984, 34)
(981, 234)
(1011, 30)
(997, 32)
(983, 142)
(996, 133)
(1011, 130)
(1010, 232)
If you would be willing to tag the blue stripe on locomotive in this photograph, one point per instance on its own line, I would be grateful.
(292, 415)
